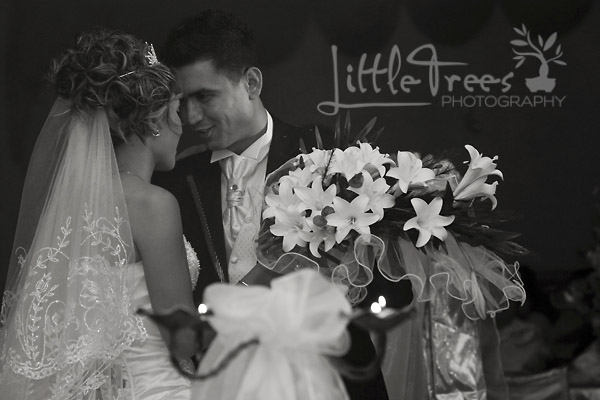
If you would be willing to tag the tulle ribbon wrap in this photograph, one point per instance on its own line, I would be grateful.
(350, 264)
(298, 322)
(451, 341)
(480, 280)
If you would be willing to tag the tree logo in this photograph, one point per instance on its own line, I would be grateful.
(541, 51)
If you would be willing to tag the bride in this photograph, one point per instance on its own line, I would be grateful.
(95, 240)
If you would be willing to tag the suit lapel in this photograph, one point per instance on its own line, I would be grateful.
(284, 146)
(208, 181)
(207, 177)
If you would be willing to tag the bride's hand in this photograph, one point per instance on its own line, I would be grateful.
(183, 343)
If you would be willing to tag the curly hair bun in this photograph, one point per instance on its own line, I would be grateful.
(108, 69)
(85, 73)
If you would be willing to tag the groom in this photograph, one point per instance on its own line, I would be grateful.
(220, 190)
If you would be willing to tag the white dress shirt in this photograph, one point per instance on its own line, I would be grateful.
(255, 188)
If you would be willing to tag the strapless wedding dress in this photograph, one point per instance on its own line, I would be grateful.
(150, 374)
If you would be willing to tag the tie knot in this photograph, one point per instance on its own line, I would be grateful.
(237, 171)
(235, 193)
(238, 167)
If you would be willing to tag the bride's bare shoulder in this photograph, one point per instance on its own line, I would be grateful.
(145, 200)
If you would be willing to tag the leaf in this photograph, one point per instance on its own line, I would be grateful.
(337, 132)
(520, 63)
(560, 62)
(318, 138)
(518, 57)
(550, 41)
(365, 130)
(540, 41)
(347, 125)
(448, 200)
(303, 146)
(524, 28)
(518, 42)
(558, 49)
(375, 136)
(520, 32)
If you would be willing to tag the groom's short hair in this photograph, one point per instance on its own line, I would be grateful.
(212, 35)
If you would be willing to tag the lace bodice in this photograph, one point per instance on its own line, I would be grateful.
(193, 263)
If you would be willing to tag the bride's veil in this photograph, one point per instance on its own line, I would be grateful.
(66, 314)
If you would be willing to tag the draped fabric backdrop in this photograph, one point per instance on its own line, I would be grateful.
(547, 141)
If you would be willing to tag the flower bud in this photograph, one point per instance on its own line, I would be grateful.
(372, 170)
(327, 210)
(356, 181)
(319, 221)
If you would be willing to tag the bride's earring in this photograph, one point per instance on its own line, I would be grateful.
(156, 133)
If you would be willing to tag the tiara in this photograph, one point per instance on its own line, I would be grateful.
(150, 57)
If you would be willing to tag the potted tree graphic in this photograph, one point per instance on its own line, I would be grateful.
(541, 82)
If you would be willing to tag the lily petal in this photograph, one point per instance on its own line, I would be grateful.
(424, 237)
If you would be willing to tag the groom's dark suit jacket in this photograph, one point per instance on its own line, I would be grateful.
(196, 183)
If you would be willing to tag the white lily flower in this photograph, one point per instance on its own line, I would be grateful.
(409, 171)
(300, 177)
(376, 191)
(351, 216)
(284, 200)
(315, 198)
(316, 236)
(428, 221)
(473, 185)
(347, 162)
(372, 156)
(289, 225)
(318, 160)
(479, 189)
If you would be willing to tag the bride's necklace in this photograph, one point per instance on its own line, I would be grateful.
(132, 173)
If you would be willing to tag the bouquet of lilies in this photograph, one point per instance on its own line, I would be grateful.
(350, 200)
(332, 194)
(325, 196)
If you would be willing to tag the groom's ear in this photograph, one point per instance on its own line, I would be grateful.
(254, 82)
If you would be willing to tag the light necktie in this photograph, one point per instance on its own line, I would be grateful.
(239, 215)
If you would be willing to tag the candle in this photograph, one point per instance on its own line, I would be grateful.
(202, 309)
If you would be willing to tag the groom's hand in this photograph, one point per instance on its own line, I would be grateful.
(187, 341)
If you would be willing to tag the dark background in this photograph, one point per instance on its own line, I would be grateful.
(548, 154)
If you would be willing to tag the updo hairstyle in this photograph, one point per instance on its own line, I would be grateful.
(108, 69)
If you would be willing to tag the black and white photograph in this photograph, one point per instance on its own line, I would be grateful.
(300, 200)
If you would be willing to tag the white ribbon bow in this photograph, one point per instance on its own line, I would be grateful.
(299, 321)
